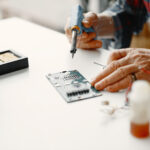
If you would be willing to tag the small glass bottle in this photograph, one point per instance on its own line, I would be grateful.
(139, 99)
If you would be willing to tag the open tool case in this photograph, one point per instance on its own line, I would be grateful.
(12, 61)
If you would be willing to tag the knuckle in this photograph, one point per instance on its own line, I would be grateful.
(105, 82)
(131, 51)
(94, 16)
(128, 59)
(109, 89)
(121, 71)
(112, 89)
(90, 16)
(113, 54)
(135, 54)
(113, 65)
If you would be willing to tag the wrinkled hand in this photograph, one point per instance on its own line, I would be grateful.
(85, 40)
(121, 64)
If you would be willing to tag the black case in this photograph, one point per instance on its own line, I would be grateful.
(20, 63)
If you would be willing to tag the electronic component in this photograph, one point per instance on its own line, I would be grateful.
(11, 61)
(72, 86)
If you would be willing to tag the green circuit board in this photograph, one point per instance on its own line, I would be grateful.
(72, 86)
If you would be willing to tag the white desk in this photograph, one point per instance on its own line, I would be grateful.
(33, 116)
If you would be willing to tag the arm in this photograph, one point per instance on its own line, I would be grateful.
(118, 22)
(128, 18)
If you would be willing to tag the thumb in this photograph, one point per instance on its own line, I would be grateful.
(90, 19)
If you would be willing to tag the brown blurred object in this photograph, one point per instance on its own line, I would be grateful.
(142, 40)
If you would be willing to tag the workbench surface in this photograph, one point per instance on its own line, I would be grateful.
(33, 116)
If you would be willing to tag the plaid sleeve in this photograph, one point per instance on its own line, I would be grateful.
(129, 17)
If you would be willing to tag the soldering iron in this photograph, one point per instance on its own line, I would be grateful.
(76, 27)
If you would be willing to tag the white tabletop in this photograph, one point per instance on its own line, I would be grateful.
(33, 116)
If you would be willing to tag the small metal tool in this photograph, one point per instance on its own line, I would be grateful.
(74, 41)
(101, 65)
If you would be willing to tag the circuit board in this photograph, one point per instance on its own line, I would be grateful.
(72, 86)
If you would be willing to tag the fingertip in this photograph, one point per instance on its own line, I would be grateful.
(98, 87)
(95, 87)
(98, 44)
(92, 83)
(68, 31)
(91, 16)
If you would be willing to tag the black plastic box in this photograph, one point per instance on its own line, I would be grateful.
(12, 61)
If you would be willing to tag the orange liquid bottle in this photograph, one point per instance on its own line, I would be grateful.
(139, 130)
(140, 109)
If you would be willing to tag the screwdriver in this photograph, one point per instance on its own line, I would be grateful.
(76, 26)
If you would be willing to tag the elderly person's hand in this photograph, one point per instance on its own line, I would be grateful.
(123, 65)
(103, 26)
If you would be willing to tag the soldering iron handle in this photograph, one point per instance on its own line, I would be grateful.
(76, 20)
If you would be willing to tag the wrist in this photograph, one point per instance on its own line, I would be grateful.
(105, 26)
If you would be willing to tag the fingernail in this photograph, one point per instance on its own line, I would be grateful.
(84, 20)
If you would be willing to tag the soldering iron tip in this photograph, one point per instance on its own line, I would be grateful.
(72, 55)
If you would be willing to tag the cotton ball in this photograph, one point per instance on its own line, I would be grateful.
(140, 90)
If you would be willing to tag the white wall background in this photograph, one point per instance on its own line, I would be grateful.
(50, 13)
